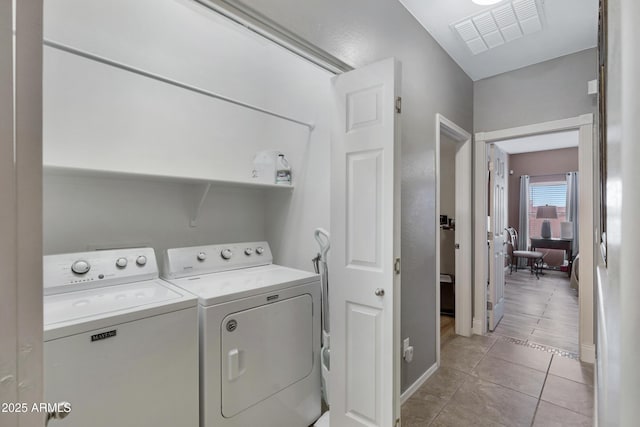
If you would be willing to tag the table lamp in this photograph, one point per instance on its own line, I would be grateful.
(546, 212)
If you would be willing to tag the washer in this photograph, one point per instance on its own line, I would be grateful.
(120, 344)
(259, 335)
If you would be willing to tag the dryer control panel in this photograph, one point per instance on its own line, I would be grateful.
(197, 260)
(85, 270)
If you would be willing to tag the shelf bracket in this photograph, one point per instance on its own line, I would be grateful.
(196, 214)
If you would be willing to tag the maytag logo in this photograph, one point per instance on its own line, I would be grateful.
(103, 335)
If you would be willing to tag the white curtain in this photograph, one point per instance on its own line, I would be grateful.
(572, 207)
(523, 217)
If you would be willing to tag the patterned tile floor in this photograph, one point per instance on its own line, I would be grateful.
(490, 381)
(542, 312)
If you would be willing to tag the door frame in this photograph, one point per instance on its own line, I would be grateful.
(21, 345)
(584, 125)
(464, 177)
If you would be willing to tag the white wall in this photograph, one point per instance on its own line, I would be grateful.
(618, 372)
(99, 117)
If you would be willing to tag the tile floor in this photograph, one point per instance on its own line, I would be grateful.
(489, 381)
(543, 311)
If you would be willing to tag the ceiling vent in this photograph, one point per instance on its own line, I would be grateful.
(500, 25)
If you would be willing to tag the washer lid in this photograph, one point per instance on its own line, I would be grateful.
(80, 311)
(216, 288)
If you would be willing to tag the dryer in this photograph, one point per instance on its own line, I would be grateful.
(259, 335)
(120, 344)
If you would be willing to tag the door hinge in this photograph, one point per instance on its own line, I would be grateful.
(490, 166)
(397, 422)
(396, 266)
(399, 105)
(489, 306)
(457, 245)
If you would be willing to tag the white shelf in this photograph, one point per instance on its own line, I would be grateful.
(204, 183)
(102, 173)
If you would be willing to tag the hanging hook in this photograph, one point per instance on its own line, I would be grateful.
(322, 237)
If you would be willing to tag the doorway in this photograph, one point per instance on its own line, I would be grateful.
(541, 294)
(483, 297)
(453, 233)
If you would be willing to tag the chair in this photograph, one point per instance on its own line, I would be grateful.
(534, 258)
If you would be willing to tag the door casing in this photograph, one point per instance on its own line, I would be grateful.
(463, 288)
(584, 125)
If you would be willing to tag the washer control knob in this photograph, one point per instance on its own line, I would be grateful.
(202, 256)
(141, 260)
(80, 266)
(226, 254)
(121, 262)
(248, 252)
(259, 250)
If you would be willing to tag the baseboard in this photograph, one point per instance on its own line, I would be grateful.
(588, 353)
(416, 385)
(477, 326)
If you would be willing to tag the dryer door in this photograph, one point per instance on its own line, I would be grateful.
(265, 350)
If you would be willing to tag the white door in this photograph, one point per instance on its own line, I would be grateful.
(497, 241)
(365, 226)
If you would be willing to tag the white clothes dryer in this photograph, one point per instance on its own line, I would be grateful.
(259, 335)
(120, 344)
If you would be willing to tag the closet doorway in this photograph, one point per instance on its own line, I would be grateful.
(453, 231)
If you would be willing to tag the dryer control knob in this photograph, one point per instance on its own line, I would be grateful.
(259, 250)
(202, 256)
(121, 262)
(80, 266)
(141, 260)
(248, 252)
(226, 254)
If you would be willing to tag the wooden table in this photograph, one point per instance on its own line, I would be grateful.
(555, 243)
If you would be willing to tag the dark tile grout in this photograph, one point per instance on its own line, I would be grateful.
(544, 383)
(470, 375)
(462, 383)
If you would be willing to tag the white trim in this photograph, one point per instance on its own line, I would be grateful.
(573, 123)
(21, 341)
(418, 383)
(275, 33)
(477, 326)
(463, 288)
(588, 353)
(584, 124)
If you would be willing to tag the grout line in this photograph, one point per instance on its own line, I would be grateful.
(535, 413)
(469, 376)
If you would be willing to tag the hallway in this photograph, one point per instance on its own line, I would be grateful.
(541, 312)
(490, 381)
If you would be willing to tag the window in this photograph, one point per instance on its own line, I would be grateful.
(547, 193)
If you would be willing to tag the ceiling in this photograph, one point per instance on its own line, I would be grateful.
(565, 26)
(544, 142)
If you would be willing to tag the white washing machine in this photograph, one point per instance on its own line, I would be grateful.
(259, 335)
(121, 345)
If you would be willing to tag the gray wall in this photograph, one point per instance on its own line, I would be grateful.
(360, 32)
(551, 90)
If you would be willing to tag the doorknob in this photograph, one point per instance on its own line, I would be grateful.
(379, 292)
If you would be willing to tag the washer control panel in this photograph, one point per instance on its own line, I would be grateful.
(196, 260)
(70, 272)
